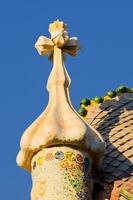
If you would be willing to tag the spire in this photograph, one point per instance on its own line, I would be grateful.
(59, 124)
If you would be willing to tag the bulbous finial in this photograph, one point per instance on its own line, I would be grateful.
(59, 124)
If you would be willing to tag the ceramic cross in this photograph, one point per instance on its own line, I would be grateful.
(59, 39)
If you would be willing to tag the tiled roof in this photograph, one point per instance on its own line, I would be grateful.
(114, 120)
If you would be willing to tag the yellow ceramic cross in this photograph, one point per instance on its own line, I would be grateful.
(59, 38)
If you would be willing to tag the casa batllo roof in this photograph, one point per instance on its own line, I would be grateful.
(112, 116)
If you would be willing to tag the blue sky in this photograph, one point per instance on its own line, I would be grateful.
(105, 31)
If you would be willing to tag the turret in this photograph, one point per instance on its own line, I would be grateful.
(59, 148)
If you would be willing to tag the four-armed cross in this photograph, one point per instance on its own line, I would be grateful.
(59, 39)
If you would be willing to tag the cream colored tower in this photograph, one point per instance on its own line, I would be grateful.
(59, 148)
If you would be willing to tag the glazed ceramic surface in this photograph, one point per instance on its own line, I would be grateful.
(61, 173)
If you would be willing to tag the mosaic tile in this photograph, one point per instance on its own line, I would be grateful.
(79, 158)
(49, 157)
(70, 156)
(59, 155)
(40, 160)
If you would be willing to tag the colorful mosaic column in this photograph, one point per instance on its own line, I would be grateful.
(61, 173)
(59, 148)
